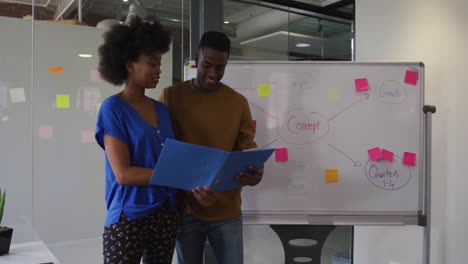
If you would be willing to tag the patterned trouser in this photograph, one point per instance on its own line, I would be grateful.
(151, 237)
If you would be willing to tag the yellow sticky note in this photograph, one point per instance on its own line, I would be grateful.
(62, 101)
(17, 95)
(334, 94)
(263, 89)
(331, 175)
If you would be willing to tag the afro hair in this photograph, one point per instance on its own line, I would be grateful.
(124, 43)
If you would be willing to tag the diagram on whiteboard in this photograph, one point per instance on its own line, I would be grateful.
(337, 135)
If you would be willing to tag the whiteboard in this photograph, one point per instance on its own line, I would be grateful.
(313, 112)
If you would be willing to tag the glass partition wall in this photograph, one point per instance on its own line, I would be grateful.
(50, 92)
(261, 30)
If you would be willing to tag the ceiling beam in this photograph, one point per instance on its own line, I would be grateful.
(63, 9)
(339, 4)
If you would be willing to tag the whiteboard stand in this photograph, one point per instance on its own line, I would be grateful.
(317, 233)
(425, 220)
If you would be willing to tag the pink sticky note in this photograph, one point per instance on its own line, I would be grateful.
(375, 153)
(87, 136)
(46, 132)
(388, 155)
(361, 85)
(409, 159)
(281, 154)
(254, 125)
(94, 76)
(411, 77)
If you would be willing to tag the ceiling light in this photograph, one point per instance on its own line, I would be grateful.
(85, 55)
(226, 22)
(302, 45)
(174, 20)
(125, 1)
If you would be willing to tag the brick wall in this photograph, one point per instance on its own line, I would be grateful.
(19, 11)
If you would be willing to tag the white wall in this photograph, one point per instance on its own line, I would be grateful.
(433, 32)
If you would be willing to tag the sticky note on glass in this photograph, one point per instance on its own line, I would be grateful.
(361, 85)
(334, 94)
(54, 70)
(94, 76)
(87, 136)
(409, 159)
(411, 77)
(281, 154)
(264, 89)
(387, 155)
(98, 106)
(331, 175)
(17, 95)
(62, 101)
(375, 153)
(46, 132)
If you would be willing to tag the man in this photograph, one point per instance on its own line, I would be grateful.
(206, 112)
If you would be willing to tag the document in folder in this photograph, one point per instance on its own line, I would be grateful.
(186, 166)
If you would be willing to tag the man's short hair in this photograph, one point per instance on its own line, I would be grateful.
(215, 40)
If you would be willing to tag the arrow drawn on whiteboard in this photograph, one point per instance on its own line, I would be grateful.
(268, 144)
(356, 163)
(268, 114)
(366, 97)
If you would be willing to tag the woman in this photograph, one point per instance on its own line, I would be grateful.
(131, 128)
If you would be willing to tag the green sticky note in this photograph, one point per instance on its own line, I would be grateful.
(334, 94)
(62, 100)
(263, 89)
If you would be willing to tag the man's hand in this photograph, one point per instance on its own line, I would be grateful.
(204, 196)
(252, 177)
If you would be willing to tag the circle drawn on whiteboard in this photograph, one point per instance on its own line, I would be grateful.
(391, 92)
(300, 127)
(386, 175)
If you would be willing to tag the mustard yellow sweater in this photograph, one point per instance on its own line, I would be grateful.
(220, 119)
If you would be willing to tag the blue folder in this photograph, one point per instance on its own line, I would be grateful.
(186, 166)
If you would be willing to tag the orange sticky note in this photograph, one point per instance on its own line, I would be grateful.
(62, 101)
(46, 132)
(388, 155)
(264, 89)
(281, 154)
(361, 85)
(56, 70)
(409, 159)
(375, 153)
(331, 175)
(411, 77)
